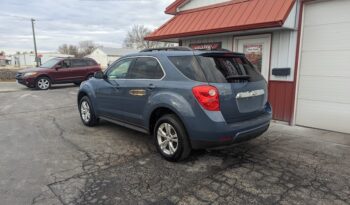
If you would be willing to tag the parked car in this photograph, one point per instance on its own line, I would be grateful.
(186, 99)
(58, 70)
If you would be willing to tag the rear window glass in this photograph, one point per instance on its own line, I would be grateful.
(228, 69)
(91, 62)
(78, 63)
(188, 65)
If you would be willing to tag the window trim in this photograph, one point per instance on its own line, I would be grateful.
(135, 58)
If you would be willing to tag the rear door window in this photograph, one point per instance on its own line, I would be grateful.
(146, 68)
(90, 62)
(188, 66)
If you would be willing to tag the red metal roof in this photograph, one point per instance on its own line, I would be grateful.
(225, 17)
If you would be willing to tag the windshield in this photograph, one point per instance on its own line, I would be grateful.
(50, 63)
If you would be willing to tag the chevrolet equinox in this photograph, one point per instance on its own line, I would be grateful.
(186, 99)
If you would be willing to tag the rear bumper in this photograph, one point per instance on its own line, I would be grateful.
(241, 136)
(220, 134)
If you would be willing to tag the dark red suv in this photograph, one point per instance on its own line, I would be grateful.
(58, 70)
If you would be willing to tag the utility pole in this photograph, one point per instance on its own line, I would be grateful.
(35, 50)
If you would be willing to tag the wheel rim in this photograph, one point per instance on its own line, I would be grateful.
(85, 111)
(43, 83)
(167, 138)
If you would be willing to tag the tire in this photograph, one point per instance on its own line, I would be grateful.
(43, 83)
(87, 113)
(171, 150)
(77, 83)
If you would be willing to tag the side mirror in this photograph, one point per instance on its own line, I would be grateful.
(58, 67)
(99, 75)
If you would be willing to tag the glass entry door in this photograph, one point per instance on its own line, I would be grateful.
(257, 50)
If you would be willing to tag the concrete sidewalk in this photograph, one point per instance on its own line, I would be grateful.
(11, 87)
(324, 136)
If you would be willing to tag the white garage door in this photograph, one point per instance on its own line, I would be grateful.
(324, 82)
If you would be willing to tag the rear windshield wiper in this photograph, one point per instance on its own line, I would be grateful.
(234, 77)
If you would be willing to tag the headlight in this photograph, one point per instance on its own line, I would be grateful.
(29, 74)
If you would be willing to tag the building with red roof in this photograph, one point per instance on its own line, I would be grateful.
(301, 47)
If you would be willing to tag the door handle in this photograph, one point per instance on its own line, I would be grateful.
(151, 86)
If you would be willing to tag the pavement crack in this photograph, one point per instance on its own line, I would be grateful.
(69, 142)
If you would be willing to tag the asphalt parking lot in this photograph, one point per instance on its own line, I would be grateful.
(48, 157)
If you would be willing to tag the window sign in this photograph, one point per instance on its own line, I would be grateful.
(254, 54)
(206, 46)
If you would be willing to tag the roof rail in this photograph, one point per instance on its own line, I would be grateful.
(177, 48)
(182, 48)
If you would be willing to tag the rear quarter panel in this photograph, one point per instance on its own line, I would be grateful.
(175, 96)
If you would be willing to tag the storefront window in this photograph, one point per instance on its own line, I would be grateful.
(254, 54)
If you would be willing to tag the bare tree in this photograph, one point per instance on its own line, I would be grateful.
(68, 49)
(63, 49)
(135, 39)
(86, 48)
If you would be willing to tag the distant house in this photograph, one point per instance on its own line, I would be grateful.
(4, 60)
(105, 55)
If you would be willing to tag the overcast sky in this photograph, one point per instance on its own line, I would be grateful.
(70, 21)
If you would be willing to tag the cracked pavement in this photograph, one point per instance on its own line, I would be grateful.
(48, 157)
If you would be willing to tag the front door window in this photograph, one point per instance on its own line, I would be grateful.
(119, 70)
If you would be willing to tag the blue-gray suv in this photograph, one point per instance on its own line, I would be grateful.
(186, 99)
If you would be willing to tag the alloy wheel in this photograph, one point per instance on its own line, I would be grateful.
(43, 83)
(85, 111)
(167, 138)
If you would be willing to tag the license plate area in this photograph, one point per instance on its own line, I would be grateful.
(250, 101)
(250, 94)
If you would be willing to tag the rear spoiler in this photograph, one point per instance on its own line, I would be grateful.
(221, 54)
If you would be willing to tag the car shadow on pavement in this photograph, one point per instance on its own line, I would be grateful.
(55, 87)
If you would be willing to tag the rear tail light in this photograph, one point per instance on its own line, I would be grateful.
(207, 96)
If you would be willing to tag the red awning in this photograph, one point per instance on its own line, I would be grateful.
(226, 17)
